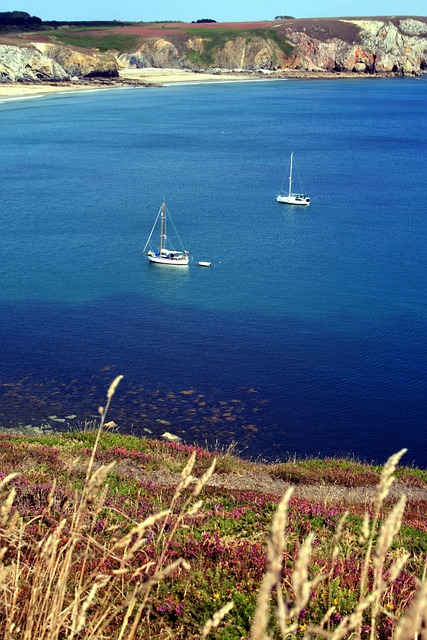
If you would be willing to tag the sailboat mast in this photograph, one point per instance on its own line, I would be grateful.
(162, 227)
(290, 175)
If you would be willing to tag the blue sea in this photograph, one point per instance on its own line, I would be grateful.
(307, 336)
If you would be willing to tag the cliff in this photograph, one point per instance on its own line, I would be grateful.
(235, 53)
(81, 64)
(51, 63)
(24, 64)
(392, 45)
(382, 45)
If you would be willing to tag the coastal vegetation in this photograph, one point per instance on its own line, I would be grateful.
(110, 536)
(100, 39)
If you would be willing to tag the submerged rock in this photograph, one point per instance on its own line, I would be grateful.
(171, 437)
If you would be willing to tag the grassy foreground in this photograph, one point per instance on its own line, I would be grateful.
(118, 537)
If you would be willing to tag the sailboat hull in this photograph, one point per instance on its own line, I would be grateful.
(299, 200)
(170, 262)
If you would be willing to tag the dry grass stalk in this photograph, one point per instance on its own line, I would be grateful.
(350, 626)
(275, 547)
(388, 531)
(301, 585)
(348, 623)
(216, 619)
(137, 534)
(387, 479)
(383, 488)
(186, 480)
(112, 388)
(103, 412)
(66, 603)
(7, 503)
(188, 509)
(415, 618)
(202, 482)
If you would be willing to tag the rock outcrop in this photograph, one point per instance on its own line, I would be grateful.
(367, 46)
(251, 54)
(157, 53)
(42, 62)
(27, 64)
(82, 65)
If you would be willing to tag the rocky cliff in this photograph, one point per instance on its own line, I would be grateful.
(79, 64)
(386, 45)
(41, 62)
(394, 45)
(240, 53)
(24, 64)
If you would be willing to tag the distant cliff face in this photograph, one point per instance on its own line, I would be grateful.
(235, 54)
(368, 46)
(49, 63)
(382, 45)
(28, 65)
(82, 65)
(388, 45)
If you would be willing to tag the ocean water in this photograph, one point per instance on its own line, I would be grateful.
(307, 335)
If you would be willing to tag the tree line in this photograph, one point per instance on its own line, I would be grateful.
(19, 19)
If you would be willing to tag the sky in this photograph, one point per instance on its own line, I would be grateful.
(219, 10)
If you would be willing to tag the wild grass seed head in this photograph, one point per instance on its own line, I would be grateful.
(387, 477)
(415, 618)
(201, 482)
(388, 531)
(216, 619)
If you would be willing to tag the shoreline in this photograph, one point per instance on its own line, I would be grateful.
(128, 78)
(138, 78)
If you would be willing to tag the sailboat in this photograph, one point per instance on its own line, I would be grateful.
(293, 198)
(159, 248)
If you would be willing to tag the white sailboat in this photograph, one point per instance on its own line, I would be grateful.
(161, 250)
(290, 197)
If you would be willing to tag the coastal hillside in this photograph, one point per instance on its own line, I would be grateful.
(113, 536)
(60, 52)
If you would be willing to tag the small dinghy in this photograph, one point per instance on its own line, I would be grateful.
(205, 264)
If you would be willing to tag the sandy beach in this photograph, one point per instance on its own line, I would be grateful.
(169, 76)
(159, 77)
(128, 77)
(19, 90)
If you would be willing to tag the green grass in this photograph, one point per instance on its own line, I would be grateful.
(86, 38)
